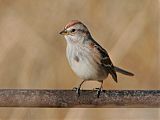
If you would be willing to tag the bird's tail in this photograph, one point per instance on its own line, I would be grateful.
(117, 69)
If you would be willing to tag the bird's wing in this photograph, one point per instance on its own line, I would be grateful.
(104, 59)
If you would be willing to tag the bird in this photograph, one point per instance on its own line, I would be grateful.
(88, 59)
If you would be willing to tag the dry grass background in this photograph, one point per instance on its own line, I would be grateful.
(32, 53)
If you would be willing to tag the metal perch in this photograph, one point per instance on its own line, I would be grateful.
(88, 98)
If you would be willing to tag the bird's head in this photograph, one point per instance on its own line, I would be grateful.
(75, 31)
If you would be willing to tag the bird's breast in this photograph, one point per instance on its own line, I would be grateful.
(83, 63)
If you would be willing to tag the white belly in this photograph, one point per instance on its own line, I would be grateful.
(85, 66)
(84, 69)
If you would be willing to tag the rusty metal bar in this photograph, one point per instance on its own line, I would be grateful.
(88, 98)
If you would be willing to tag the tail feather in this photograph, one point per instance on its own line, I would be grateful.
(114, 75)
(117, 69)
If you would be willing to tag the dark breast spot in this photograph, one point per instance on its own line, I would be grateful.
(76, 58)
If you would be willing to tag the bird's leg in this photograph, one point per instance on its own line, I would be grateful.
(78, 88)
(99, 90)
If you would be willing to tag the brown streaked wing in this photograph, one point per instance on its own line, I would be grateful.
(105, 60)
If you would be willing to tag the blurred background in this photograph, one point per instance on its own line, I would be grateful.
(32, 53)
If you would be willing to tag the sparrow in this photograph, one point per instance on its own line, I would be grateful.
(87, 58)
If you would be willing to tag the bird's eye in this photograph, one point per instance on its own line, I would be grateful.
(73, 30)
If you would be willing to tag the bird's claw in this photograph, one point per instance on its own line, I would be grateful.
(77, 90)
(95, 88)
(99, 90)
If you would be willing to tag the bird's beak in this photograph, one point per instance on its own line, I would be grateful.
(63, 32)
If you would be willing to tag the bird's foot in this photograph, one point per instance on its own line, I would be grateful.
(99, 90)
(77, 90)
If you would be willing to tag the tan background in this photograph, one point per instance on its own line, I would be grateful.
(32, 53)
